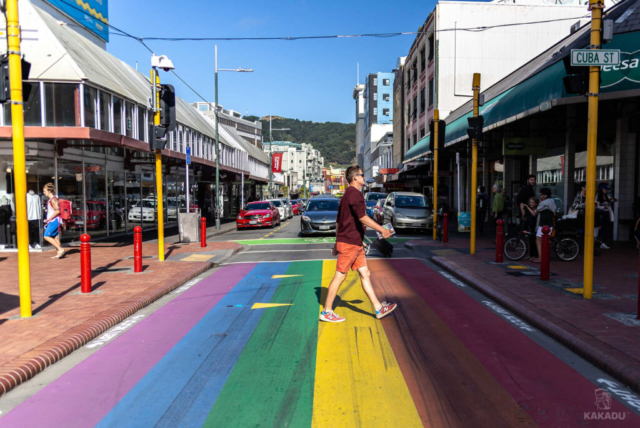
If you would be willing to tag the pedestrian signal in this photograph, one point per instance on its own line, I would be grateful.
(442, 125)
(476, 123)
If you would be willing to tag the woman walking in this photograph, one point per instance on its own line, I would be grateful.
(53, 223)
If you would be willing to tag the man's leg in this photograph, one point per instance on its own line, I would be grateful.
(334, 286)
(368, 288)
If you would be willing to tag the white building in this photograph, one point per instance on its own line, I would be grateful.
(358, 96)
(301, 164)
(251, 131)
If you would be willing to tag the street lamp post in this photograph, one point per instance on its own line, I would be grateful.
(237, 70)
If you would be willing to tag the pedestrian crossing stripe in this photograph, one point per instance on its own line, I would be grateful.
(518, 267)
(269, 305)
(283, 276)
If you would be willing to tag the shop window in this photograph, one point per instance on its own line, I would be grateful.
(32, 116)
(90, 99)
(142, 123)
(62, 104)
(105, 111)
(117, 115)
(129, 119)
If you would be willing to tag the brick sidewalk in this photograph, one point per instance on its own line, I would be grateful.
(602, 330)
(64, 319)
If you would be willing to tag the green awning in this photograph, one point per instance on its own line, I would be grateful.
(421, 148)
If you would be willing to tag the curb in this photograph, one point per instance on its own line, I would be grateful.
(611, 365)
(221, 232)
(30, 364)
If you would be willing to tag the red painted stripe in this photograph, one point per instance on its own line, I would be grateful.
(549, 390)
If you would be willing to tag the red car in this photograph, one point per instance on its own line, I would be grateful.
(97, 214)
(296, 207)
(258, 214)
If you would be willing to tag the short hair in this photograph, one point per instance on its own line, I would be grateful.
(534, 199)
(481, 189)
(530, 176)
(49, 187)
(351, 172)
(497, 187)
(545, 191)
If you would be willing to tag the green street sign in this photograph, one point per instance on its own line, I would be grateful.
(595, 57)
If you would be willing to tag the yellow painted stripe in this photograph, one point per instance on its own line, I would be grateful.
(283, 276)
(269, 305)
(358, 381)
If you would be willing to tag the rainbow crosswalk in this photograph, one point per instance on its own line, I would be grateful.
(244, 348)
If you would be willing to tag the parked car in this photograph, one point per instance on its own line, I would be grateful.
(144, 210)
(324, 195)
(282, 209)
(378, 209)
(371, 199)
(320, 216)
(295, 206)
(408, 210)
(96, 216)
(258, 214)
(288, 206)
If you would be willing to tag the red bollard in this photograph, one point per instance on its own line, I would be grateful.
(499, 240)
(445, 228)
(203, 232)
(85, 264)
(544, 257)
(137, 249)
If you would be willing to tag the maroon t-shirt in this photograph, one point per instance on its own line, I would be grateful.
(351, 209)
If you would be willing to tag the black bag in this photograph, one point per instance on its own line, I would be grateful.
(383, 246)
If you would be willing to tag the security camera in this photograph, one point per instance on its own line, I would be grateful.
(162, 62)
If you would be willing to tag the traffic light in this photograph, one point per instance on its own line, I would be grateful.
(168, 107)
(476, 124)
(5, 85)
(577, 79)
(442, 125)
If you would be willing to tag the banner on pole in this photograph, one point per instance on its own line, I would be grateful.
(276, 162)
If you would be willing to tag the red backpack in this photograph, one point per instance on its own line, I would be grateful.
(65, 209)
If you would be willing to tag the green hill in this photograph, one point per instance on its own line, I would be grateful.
(336, 141)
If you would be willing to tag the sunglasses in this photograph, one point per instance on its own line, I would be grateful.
(359, 175)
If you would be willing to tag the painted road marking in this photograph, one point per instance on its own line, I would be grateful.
(270, 305)
(197, 258)
(183, 386)
(622, 393)
(452, 279)
(509, 316)
(518, 267)
(283, 276)
(358, 381)
(271, 384)
(186, 286)
(114, 332)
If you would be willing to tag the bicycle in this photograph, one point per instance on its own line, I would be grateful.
(565, 246)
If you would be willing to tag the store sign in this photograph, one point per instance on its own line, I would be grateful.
(93, 168)
(388, 170)
(524, 146)
(276, 162)
(90, 14)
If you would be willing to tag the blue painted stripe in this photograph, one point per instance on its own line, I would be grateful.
(183, 387)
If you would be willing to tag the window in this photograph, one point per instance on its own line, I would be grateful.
(431, 91)
(375, 111)
(60, 100)
(386, 82)
(375, 96)
(375, 81)
(142, 122)
(422, 132)
(117, 115)
(203, 107)
(105, 111)
(422, 58)
(423, 99)
(386, 97)
(31, 93)
(415, 139)
(90, 99)
(432, 47)
(385, 111)
(129, 117)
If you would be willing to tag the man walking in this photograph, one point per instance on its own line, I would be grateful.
(352, 218)
(482, 205)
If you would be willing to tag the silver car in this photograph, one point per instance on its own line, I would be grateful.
(320, 217)
(408, 210)
(282, 208)
(288, 206)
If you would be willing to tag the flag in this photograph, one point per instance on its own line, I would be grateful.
(276, 162)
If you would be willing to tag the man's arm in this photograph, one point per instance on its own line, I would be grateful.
(368, 221)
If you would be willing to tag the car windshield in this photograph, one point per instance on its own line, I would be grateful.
(323, 205)
(258, 206)
(404, 201)
(145, 204)
(94, 207)
(375, 196)
(277, 203)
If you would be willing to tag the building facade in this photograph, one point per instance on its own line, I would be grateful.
(378, 118)
(251, 131)
(301, 164)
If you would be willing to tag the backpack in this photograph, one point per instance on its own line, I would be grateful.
(482, 202)
(65, 209)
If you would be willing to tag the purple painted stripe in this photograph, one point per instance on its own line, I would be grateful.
(86, 393)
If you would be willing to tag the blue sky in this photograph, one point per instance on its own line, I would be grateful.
(305, 79)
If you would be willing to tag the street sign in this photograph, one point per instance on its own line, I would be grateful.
(188, 155)
(595, 57)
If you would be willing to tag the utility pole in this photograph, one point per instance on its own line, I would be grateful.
(271, 156)
(474, 164)
(19, 163)
(155, 79)
(436, 119)
(217, 148)
(592, 144)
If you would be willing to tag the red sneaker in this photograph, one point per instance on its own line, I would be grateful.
(386, 309)
(330, 317)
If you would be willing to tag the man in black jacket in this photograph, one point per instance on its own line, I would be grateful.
(525, 193)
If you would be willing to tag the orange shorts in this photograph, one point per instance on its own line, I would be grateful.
(350, 256)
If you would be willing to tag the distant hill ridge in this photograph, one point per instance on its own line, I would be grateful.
(335, 140)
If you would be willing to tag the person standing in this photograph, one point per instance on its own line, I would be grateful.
(482, 205)
(604, 209)
(525, 193)
(544, 213)
(507, 212)
(497, 209)
(352, 219)
(53, 223)
(530, 225)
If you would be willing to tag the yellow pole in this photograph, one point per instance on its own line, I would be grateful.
(156, 121)
(474, 164)
(592, 143)
(436, 120)
(20, 176)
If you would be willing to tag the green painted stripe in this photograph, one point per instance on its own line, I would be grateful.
(272, 382)
(328, 240)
